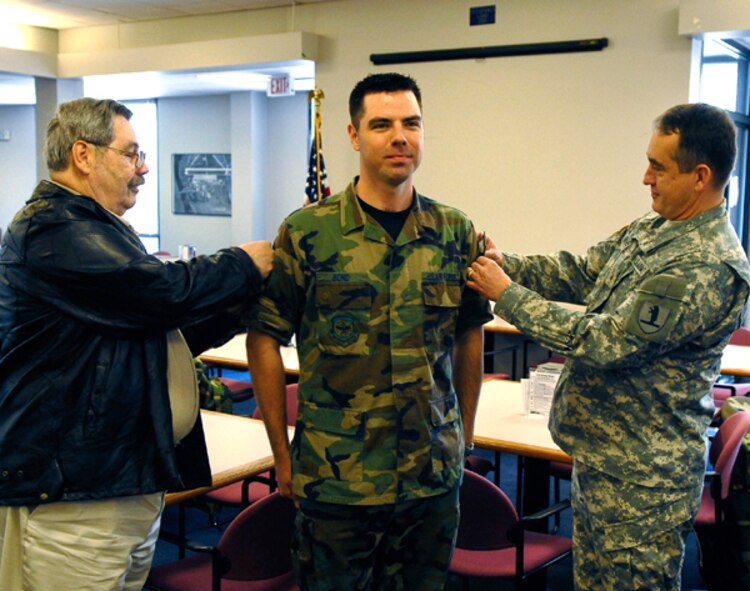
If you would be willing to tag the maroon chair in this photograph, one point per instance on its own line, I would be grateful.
(248, 491)
(721, 392)
(484, 466)
(719, 535)
(741, 337)
(558, 471)
(493, 542)
(253, 554)
(722, 455)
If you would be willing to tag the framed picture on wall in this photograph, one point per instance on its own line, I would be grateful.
(202, 184)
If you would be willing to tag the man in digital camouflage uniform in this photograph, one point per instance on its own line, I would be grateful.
(373, 283)
(662, 295)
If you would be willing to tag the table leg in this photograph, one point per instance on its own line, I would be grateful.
(489, 347)
(536, 476)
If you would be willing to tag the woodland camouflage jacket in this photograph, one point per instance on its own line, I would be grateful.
(375, 320)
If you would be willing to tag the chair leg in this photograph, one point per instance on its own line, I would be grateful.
(519, 485)
(214, 511)
(556, 489)
(181, 530)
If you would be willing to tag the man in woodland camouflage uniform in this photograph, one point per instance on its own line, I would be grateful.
(373, 283)
(662, 295)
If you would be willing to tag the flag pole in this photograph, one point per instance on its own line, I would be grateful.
(316, 95)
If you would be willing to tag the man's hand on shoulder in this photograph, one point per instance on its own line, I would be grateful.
(491, 251)
(261, 252)
(487, 278)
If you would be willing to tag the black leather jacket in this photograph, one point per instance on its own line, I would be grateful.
(84, 405)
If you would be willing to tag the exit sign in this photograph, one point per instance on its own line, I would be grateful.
(282, 85)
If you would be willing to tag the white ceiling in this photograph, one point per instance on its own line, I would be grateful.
(64, 14)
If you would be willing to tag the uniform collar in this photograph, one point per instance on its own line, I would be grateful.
(664, 230)
(353, 217)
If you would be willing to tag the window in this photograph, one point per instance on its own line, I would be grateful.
(724, 83)
(144, 216)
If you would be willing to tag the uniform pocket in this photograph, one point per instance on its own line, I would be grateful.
(445, 433)
(441, 295)
(331, 443)
(444, 411)
(344, 309)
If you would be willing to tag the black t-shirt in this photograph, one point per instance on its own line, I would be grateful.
(392, 221)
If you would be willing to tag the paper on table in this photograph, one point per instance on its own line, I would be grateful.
(525, 394)
(543, 381)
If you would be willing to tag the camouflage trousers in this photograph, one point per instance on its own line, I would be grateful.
(627, 536)
(407, 546)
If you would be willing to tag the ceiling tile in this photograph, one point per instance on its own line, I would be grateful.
(64, 14)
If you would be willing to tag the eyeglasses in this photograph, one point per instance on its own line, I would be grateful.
(139, 157)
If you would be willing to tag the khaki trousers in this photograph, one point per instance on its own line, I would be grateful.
(103, 545)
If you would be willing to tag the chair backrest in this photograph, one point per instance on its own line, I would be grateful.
(721, 392)
(487, 515)
(258, 541)
(726, 446)
(291, 406)
(741, 336)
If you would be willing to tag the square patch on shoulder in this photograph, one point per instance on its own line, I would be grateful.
(657, 307)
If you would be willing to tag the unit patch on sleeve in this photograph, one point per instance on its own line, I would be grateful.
(657, 307)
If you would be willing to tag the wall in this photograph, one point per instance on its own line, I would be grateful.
(723, 18)
(286, 168)
(18, 158)
(188, 125)
(248, 113)
(28, 50)
(267, 139)
(544, 152)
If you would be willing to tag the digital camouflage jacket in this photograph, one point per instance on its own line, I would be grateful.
(662, 299)
(375, 321)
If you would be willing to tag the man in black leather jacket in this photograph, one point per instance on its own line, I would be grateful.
(92, 363)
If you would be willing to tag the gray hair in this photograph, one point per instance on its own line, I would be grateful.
(86, 119)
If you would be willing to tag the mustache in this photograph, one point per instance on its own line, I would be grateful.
(137, 182)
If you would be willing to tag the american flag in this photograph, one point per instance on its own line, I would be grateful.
(316, 188)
